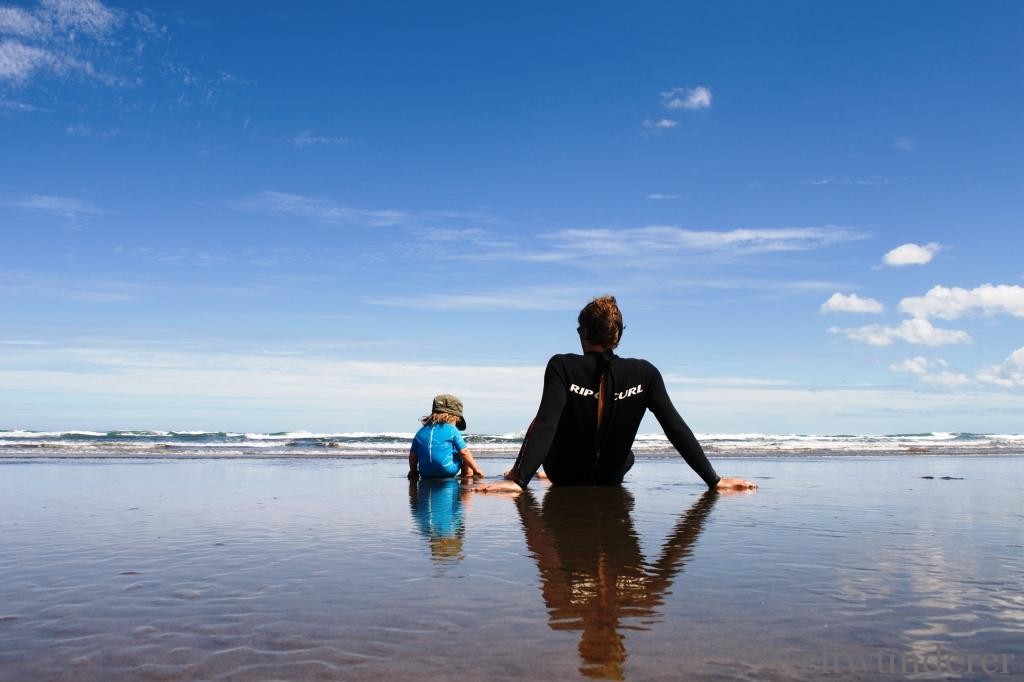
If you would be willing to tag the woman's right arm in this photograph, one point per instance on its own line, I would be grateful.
(535, 449)
(682, 438)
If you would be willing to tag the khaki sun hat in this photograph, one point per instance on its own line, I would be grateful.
(449, 404)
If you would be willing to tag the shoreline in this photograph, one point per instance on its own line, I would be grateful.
(43, 454)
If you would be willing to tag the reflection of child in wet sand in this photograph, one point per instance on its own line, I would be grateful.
(437, 507)
(438, 449)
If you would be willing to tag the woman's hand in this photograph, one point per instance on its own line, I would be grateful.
(729, 484)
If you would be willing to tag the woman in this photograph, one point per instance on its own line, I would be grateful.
(591, 409)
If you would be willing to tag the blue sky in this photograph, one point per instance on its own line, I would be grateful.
(275, 216)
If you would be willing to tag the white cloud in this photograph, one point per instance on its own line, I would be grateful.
(950, 379)
(916, 331)
(950, 303)
(841, 303)
(687, 98)
(916, 365)
(656, 240)
(657, 196)
(922, 368)
(1007, 374)
(904, 144)
(911, 254)
(65, 207)
(307, 139)
(318, 209)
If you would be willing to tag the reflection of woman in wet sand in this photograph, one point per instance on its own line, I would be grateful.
(593, 572)
(437, 506)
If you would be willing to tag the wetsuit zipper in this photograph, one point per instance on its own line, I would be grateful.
(602, 391)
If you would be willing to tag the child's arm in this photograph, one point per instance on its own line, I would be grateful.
(414, 466)
(467, 457)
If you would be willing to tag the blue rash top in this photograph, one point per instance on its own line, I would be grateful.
(437, 448)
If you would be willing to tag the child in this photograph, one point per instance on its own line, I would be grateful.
(438, 449)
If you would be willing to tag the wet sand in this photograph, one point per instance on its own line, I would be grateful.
(340, 569)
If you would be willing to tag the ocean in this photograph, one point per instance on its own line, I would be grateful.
(207, 444)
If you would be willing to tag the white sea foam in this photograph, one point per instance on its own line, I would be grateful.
(49, 434)
(394, 443)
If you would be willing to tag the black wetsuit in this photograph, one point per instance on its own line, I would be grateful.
(566, 436)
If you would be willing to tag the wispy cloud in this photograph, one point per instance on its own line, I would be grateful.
(328, 211)
(90, 42)
(306, 139)
(654, 126)
(162, 371)
(852, 303)
(680, 379)
(904, 144)
(30, 284)
(15, 283)
(949, 303)
(687, 98)
(14, 106)
(869, 181)
(657, 196)
(916, 331)
(57, 38)
(16, 21)
(82, 130)
(64, 207)
(644, 242)
(911, 254)
(524, 298)
(318, 209)
(180, 256)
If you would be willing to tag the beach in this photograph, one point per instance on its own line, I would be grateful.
(339, 568)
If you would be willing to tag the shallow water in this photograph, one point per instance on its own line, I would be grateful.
(340, 569)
